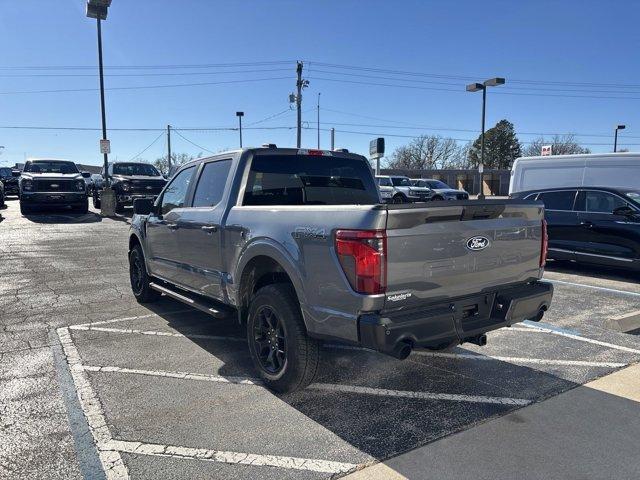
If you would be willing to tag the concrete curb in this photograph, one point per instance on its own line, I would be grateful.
(624, 323)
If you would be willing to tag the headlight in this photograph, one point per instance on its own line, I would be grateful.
(80, 185)
(27, 185)
(125, 186)
(412, 192)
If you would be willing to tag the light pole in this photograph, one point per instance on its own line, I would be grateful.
(475, 87)
(240, 115)
(98, 9)
(318, 121)
(615, 138)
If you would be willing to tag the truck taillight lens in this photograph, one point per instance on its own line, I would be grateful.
(363, 257)
(544, 249)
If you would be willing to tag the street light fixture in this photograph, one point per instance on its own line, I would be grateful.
(615, 139)
(240, 115)
(98, 9)
(476, 87)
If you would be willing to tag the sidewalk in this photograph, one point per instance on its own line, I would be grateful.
(590, 432)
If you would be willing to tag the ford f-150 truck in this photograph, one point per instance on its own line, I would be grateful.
(297, 245)
(48, 182)
(130, 180)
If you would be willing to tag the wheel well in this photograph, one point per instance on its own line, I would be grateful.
(259, 272)
(133, 241)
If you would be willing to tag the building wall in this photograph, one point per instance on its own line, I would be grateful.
(496, 182)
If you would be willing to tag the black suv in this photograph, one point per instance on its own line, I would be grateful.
(598, 225)
(9, 177)
(131, 180)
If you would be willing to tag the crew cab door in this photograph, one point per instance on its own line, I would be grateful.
(200, 231)
(163, 255)
(608, 238)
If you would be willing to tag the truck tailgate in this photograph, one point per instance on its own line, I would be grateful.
(444, 250)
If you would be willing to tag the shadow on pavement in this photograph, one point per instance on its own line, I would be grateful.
(382, 425)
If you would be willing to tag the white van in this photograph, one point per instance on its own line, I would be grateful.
(591, 170)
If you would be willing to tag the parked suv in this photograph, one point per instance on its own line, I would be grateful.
(48, 182)
(403, 191)
(131, 180)
(441, 191)
(597, 225)
(296, 245)
(9, 177)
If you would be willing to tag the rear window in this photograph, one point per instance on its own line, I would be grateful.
(558, 200)
(5, 172)
(309, 180)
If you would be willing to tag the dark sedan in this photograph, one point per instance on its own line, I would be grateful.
(597, 225)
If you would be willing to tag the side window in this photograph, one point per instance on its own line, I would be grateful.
(602, 202)
(558, 200)
(211, 184)
(175, 194)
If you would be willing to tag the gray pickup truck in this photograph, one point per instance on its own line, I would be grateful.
(297, 245)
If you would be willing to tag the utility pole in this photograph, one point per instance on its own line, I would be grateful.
(299, 85)
(102, 109)
(240, 115)
(168, 148)
(333, 138)
(318, 120)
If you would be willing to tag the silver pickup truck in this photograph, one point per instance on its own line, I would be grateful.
(297, 245)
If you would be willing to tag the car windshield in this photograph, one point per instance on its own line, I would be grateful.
(401, 182)
(51, 166)
(5, 172)
(383, 181)
(143, 169)
(634, 196)
(420, 183)
(436, 184)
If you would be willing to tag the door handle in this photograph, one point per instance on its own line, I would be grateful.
(586, 223)
(172, 226)
(209, 228)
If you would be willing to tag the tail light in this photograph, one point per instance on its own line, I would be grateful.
(362, 255)
(544, 248)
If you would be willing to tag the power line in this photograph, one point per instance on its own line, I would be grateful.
(270, 117)
(148, 146)
(192, 143)
(48, 75)
(147, 67)
(146, 87)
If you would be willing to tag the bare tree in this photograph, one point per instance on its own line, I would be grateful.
(560, 145)
(176, 159)
(428, 152)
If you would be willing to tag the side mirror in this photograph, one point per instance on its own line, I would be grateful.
(625, 211)
(86, 174)
(142, 206)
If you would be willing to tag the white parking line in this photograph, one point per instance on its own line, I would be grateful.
(315, 386)
(383, 392)
(584, 339)
(235, 458)
(112, 463)
(535, 361)
(539, 361)
(594, 287)
(134, 331)
(202, 377)
(135, 317)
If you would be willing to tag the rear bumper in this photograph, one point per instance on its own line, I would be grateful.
(53, 198)
(456, 321)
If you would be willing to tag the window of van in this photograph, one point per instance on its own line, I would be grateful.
(562, 200)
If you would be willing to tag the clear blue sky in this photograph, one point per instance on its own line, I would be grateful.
(589, 47)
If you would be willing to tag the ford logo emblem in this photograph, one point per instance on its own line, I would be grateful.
(477, 243)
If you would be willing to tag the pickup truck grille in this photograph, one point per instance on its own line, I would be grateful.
(54, 186)
(149, 187)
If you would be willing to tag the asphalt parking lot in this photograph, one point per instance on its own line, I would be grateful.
(95, 385)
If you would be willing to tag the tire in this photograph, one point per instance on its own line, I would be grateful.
(398, 199)
(139, 277)
(84, 208)
(96, 200)
(275, 316)
(119, 207)
(1, 199)
(437, 198)
(25, 209)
